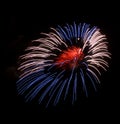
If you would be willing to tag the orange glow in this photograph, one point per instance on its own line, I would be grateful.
(70, 57)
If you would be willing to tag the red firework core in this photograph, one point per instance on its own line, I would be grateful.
(70, 58)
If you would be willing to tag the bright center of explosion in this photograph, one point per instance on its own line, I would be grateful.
(70, 58)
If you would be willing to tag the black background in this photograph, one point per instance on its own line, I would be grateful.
(18, 30)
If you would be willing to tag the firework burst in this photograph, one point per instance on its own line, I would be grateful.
(54, 64)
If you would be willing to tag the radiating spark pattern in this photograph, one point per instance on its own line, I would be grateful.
(60, 60)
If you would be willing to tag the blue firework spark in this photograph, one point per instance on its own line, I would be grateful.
(55, 62)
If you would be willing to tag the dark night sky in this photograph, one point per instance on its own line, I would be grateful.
(18, 30)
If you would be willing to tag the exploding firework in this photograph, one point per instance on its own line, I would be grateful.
(54, 64)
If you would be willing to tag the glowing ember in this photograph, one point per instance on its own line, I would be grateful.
(70, 57)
